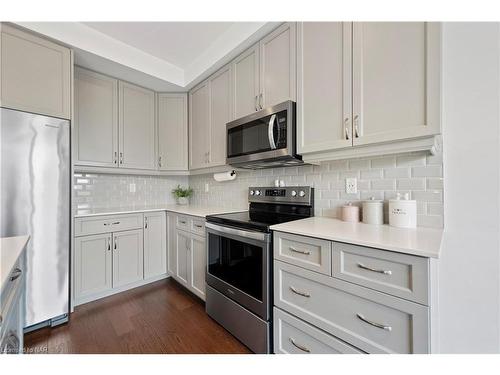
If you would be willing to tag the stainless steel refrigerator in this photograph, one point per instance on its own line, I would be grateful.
(35, 200)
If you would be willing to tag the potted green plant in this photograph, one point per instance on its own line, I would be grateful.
(182, 195)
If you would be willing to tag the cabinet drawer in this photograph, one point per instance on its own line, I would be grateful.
(293, 336)
(183, 222)
(401, 275)
(105, 224)
(311, 253)
(12, 288)
(370, 320)
(198, 226)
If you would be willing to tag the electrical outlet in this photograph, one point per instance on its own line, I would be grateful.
(351, 185)
(207, 188)
(131, 188)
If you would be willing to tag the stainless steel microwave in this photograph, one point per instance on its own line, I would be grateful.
(264, 139)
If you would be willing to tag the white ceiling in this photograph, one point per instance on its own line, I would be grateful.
(179, 43)
(164, 56)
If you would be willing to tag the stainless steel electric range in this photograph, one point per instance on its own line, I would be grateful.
(239, 261)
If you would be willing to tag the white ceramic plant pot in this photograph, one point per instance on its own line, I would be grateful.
(182, 201)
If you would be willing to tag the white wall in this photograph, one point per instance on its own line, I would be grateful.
(469, 291)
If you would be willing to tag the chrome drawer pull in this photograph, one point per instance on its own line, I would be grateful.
(299, 251)
(182, 222)
(303, 348)
(378, 325)
(303, 294)
(198, 226)
(115, 223)
(15, 274)
(385, 272)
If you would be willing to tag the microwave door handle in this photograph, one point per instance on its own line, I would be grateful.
(270, 132)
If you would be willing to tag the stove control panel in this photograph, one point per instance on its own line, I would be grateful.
(285, 195)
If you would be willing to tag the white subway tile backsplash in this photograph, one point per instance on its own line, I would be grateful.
(380, 177)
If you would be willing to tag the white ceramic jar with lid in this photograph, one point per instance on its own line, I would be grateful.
(373, 211)
(403, 212)
(350, 213)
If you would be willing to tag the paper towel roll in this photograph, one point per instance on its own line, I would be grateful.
(225, 176)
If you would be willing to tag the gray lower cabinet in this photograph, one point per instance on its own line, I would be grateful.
(187, 260)
(113, 253)
(12, 307)
(370, 300)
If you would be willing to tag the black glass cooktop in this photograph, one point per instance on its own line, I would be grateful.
(262, 215)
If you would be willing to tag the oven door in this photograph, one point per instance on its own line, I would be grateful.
(238, 266)
(264, 135)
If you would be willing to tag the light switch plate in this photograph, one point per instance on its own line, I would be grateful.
(132, 188)
(351, 185)
(207, 188)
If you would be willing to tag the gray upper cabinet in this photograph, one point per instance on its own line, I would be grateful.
(324, 103)
(96, 119)
(35, 74)
(172, 132)
(136, 127)
(199, 126)
(396, 81)
(220, 114)
(246, 82)
(278, 66)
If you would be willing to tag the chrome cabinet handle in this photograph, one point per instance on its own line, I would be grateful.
(385, 272)
(182, 222)
(346, 128)
(121, 157)
(378, 325)
(255, 102)
(303, 294)
(116, 158)
(159, 161)
(356, 128)
(261, 99)
(115, 223)
(298, 346)
(299, 251)
(270, 133)
(115, 240)
(15, 274)
(109, 243)
(146, 222)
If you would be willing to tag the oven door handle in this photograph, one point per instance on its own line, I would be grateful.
(238, 232)
(270, 132)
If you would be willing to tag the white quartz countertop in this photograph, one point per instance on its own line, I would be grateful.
(193, 210)
(424, 242)
(10, 250)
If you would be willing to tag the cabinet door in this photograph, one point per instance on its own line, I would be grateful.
(155, 244)
(198, 265)
(278, 66)
(220, 114)
(324, 86)
(96, 119)
(246, 82)
(128, 257)
(182, 242)
(172, 244)
(396, 79)
(137, 127)
(35, 74)
(92, 266)
(172, 132)
(199, 126)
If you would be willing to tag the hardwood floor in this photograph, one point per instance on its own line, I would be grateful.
(158, 318)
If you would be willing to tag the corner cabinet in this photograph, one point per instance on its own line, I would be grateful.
(125, 128)
(367, 88)
(136, 127)
(35, 74)
(172, 132)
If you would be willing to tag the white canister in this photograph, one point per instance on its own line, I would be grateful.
(403, 212)
(373, 211)
(350, 213)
